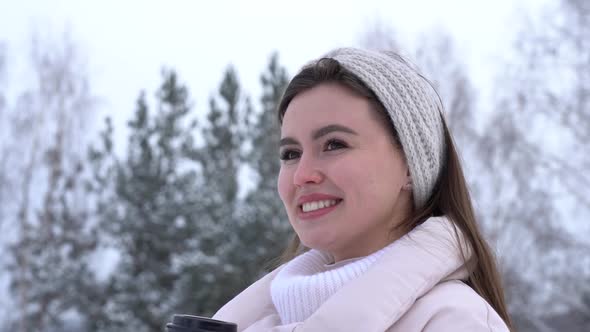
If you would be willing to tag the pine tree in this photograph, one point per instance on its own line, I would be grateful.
(221, 154)
(267, 230)
(247, 233)
(217, 277)
(152, 213)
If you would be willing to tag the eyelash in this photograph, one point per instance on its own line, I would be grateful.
(284, 155)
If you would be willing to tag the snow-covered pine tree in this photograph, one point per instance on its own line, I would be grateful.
(151, 217)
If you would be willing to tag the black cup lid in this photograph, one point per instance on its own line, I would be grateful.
(191, 323)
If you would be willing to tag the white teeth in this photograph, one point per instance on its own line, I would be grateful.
(312, 206)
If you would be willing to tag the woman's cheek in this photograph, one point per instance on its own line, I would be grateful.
(345, 172)
(283, 182)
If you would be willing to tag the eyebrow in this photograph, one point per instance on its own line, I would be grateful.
(323, 131)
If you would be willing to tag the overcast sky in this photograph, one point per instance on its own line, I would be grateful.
(127, 42)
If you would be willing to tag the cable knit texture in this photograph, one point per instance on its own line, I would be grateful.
(413, 106)
(306, 282)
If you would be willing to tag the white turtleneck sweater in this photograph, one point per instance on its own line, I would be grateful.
(307, 281)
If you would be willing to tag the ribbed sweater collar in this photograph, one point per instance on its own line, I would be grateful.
(310, 279)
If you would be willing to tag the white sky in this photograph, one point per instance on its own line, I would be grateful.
(127, 42)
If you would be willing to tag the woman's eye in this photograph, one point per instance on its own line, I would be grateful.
(334, 144)
(289, 155)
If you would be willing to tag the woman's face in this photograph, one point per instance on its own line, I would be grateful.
(342, 178)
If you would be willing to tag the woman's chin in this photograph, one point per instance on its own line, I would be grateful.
(317, 242)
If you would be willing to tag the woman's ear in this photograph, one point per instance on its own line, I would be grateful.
(408, 184)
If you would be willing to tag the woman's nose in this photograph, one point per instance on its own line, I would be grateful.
(307, 172)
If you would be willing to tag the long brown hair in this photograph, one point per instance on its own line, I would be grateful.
(450, 196)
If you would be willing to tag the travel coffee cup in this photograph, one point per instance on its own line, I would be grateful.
(188, 323)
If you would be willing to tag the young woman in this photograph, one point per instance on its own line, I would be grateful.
(386, 234)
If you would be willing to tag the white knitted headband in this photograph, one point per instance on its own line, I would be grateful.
(413, 107)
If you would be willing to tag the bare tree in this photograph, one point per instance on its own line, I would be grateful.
(380, 35)
(47, 122)
(438, 58)
(3, 136)
(534, 145)
(4, 153)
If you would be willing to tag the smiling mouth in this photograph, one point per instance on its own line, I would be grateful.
(318, 205)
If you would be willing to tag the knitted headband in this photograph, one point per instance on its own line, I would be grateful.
(413, 106)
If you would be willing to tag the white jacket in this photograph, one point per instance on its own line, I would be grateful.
(417, 286)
